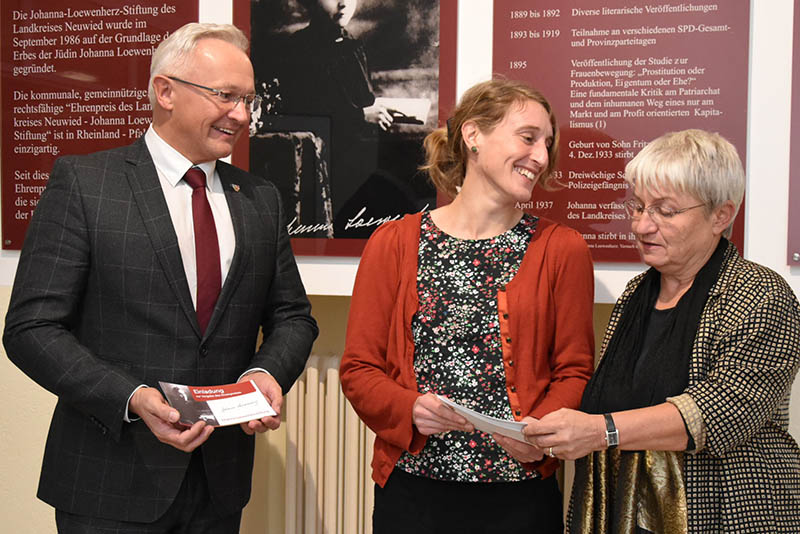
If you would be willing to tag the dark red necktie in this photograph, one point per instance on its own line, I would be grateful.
(209, 276)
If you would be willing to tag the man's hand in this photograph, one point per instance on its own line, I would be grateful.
(272, 391)
(162, 420)
(432, 416)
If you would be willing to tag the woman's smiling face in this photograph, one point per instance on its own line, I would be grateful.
(512, 156)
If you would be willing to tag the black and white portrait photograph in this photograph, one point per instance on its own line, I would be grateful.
(349, 90)
(180, 397)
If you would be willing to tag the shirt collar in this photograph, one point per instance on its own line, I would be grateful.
(171, 163)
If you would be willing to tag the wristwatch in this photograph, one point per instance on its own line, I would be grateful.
(612, 434)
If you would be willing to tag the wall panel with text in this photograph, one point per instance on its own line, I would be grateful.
(619, 75)
(74, 81)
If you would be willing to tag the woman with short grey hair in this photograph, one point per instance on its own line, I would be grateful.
(684, 425)
(702, 163)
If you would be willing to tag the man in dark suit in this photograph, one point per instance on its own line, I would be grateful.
(120, 285)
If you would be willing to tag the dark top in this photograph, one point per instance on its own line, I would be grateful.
(657, 326)
(326, 74)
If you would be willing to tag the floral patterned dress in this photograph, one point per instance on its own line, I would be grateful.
(458, 351)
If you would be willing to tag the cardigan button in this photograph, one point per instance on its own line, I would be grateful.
(508, 340)
(518, 413)
(505, 316)
(511, 363)
(513, 389)
(502, 288)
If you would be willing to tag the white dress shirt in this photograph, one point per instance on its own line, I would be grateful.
(171, 166)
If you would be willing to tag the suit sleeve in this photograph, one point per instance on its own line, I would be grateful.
(288, 327)
(369, 379)
(46, 302)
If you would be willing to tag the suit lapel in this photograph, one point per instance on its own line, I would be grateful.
(149, 198)
(236, 194)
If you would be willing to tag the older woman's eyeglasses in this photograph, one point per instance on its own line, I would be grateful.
(657, 212)
(251, 101)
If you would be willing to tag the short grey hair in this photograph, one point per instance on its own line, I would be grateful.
(700, 163)
(173, 53)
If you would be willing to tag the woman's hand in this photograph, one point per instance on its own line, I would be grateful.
(566, 434)
(379, 115)
(431, 416)
(520, 451)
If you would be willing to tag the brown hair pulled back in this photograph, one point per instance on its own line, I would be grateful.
(486, 103)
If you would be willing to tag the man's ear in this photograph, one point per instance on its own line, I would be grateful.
(163, 89)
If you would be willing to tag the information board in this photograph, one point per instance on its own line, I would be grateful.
(74, 81)
(618, 75)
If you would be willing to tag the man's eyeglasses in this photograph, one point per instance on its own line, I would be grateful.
(251, 101)
(657, 212)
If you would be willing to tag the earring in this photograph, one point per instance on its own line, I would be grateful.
(474, 149)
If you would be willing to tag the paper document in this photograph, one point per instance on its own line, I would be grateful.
(406, 110)
(223, 405)
(488, 424)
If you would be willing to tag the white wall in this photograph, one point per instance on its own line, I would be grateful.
(25, 408)
(766, 213)
(768, 137)
(766, 209)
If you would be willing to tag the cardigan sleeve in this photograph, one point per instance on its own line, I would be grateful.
(572, 354)
(371, 364)
(752, 364)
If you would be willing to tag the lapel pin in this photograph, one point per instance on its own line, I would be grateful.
(235, 187)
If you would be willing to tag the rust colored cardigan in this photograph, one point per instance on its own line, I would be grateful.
(545, 323)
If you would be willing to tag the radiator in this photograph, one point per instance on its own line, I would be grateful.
(329, 489)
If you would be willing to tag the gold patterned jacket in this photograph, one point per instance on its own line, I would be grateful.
(744, 472)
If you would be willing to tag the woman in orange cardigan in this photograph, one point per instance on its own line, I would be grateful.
(479, 302)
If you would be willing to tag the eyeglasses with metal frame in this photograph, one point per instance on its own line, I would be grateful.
(251, 101)
(657, 212)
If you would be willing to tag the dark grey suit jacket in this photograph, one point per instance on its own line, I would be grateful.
(101, 304)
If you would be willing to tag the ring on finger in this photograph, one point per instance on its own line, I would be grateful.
(550, 452)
